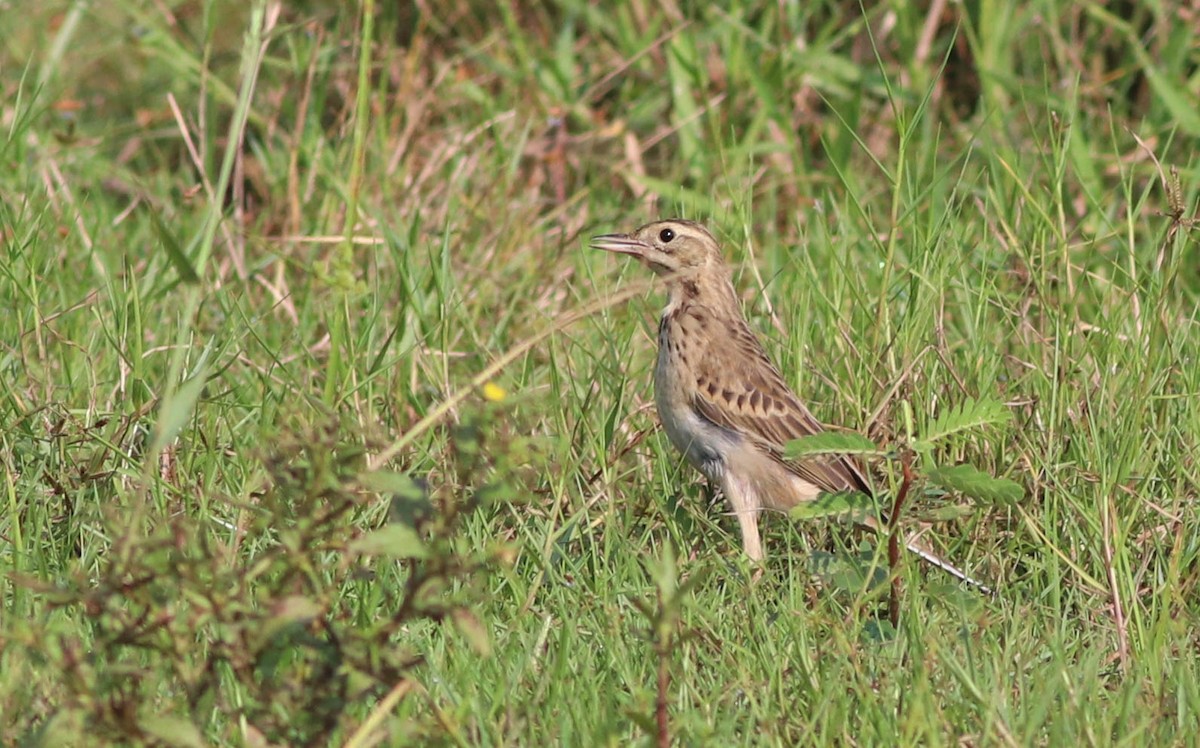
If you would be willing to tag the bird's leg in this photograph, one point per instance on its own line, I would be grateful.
(745, 507)
(710, 492)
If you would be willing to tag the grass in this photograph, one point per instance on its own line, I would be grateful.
(276, 275)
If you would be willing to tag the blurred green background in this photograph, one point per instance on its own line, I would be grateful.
(270, 269)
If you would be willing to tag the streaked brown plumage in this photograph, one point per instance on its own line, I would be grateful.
(722, 403)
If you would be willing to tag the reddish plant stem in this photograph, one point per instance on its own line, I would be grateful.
(660, 707)
(894, 539)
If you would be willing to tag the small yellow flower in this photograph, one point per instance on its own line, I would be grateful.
(494, 392)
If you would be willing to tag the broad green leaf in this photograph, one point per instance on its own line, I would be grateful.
(973, 482)
(171, 730)
(473, 630)
(177, 409)
(847, 571)
(408, 497)
(175, 253)
(291, 610)
(946, 513)
(835, 505)
(393, 540)
(970, 414)
(684, 76)
(642, 720)
(296, 609)
(386, 481)
(831, 442)
(1173, 94)
(879, 630)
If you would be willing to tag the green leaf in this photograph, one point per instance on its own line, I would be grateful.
(394, 541)
(670, 191)
(848, 571)
(970, 414)
(1172, 92)
(644, 721)
(386, 481)
(173, 731)
(291, 610)
(879, 631)
(947, 513)
(177, 409)
(175, 253)
(473, 630)
(842, 503)
(409, 502)
(684, 77)
(973, 482)
(295, 609)
(831, 442)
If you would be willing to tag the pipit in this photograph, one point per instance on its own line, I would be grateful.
(722, 402)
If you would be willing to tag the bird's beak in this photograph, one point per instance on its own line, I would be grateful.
(619, 243)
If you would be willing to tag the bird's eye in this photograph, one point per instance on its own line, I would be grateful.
(666, 235)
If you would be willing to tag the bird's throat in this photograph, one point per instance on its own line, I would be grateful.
(708, 289)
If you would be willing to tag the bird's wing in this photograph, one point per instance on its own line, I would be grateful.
(738, 388)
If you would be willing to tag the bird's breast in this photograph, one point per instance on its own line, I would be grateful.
(703, 443)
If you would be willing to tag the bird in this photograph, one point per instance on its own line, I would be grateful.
(721, 401)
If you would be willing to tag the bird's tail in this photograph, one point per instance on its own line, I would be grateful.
(922, 551)
(926, 554)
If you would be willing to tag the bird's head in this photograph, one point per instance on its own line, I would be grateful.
(673, 247)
